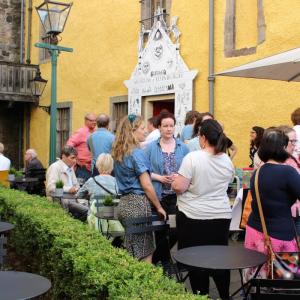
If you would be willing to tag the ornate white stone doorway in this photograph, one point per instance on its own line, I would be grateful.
(161, 71)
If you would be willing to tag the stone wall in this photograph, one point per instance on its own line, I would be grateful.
(10, 21)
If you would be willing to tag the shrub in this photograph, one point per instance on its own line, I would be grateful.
(80, 263)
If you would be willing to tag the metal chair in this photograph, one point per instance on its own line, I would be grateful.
(3, 251)
(142, 225)
(275, 289)
(4, 178)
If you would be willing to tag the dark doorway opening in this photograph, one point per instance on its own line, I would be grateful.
(11, 131)
(158, 106)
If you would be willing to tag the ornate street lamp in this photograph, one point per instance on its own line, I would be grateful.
(37, 84)
(53, 16)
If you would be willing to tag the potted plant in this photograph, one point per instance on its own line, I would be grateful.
(11, 174)
(59, 191)
(19, 174)
(108, 206)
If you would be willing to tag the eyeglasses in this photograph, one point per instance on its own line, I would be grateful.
(90, 120)
(293, 142)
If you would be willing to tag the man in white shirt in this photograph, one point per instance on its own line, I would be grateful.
(63, 170)
(153, 132)
(4, 161)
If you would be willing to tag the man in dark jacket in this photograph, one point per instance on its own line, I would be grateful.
(34, 169)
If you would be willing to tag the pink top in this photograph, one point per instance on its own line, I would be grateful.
(296, 207)
(78, 140)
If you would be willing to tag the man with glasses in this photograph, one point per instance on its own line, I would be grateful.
(78, 141)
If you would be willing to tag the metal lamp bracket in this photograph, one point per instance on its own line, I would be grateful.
(45, 108)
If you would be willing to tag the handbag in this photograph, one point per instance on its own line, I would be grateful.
(246, 208)
(282, 265)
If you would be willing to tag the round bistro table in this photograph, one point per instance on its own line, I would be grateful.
(22, 285)
(5, 226)
(219, 257)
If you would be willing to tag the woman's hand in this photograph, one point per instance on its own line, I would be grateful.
(167, 179)
(162, 213)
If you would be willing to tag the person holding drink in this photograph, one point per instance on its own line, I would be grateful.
(165, 155)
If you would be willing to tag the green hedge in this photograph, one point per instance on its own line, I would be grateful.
(80, 263)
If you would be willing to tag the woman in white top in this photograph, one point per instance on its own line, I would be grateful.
(204, 211)
(296, 121)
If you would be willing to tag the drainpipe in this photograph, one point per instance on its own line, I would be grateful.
(22, 32)
(211, 77)
(28, 60)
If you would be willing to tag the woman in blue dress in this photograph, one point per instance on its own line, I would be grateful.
(132, 172)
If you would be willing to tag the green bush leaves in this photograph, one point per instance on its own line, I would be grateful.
(80, 263)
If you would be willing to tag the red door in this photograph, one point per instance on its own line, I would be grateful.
(158, 106)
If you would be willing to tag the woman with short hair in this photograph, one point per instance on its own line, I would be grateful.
(93, 188)
(132, 170)
(204, 211)
(279, 188)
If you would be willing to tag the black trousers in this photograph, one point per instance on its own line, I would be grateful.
(163, 246)
(193, 232)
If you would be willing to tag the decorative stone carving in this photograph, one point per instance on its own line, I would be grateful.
(161, 70)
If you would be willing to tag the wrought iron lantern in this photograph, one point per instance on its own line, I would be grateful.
(38, 84)
(53, 16)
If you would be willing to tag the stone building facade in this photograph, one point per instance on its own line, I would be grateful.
(15, 96)
(10, 30)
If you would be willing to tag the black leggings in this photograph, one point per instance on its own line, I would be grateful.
(163, 246)
(192, 232)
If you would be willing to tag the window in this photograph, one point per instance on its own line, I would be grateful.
(149, 9)
(119, 109)
(63, 127)
(44, 53)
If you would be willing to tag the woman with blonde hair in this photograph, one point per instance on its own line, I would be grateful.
(98, 187)
(132, 170)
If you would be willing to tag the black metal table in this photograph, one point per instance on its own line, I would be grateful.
(222, 258)
(22, 285)
(22, 183)
(4, 226)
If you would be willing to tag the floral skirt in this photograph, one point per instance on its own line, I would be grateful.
(254, 240)
(136, 206)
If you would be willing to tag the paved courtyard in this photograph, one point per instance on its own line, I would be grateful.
(235, 281)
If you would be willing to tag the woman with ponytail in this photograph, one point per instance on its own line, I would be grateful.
(132, 171)
(204, 211)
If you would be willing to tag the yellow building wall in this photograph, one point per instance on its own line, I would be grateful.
(241, 103)
(104, 35)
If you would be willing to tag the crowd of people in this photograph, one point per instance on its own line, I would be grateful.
(187, 176)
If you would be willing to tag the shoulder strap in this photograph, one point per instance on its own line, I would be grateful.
(261, 215)
(104, 188)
